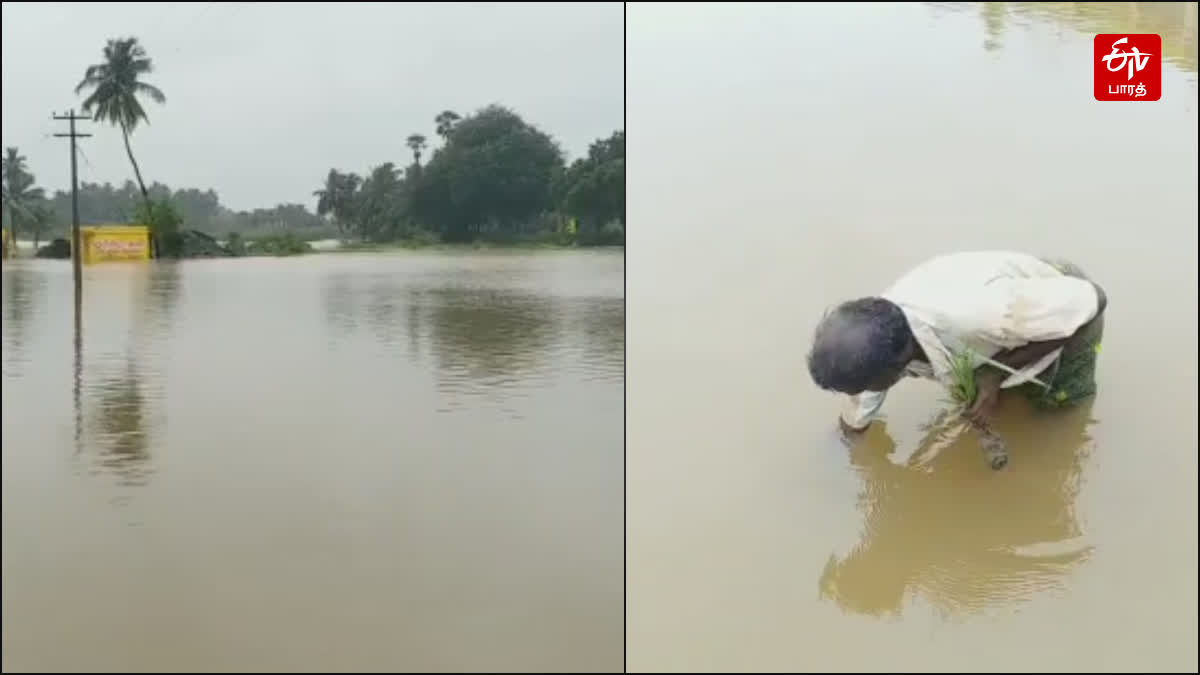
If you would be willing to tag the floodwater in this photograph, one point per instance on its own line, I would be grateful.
(788, 157)
(342, 461)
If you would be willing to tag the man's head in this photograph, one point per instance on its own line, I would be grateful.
(862, 345)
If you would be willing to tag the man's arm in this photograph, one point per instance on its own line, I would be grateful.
(989, 378)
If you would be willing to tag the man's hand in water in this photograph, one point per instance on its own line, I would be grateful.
(848, 434)
(987, 383)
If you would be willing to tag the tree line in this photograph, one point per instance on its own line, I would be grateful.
(39, 217)
(493, 177)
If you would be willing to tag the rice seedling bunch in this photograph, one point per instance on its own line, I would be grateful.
(963, 387)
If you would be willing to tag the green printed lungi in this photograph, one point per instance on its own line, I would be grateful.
(1072, 377)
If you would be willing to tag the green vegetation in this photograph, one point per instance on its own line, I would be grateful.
(164, 223)
(282, 244)
(963, 387)
(495, 179)
(23, 203)
(116, 90)
(199, 210)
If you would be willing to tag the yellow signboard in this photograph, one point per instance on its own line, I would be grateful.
(4, 247)
(114, 243)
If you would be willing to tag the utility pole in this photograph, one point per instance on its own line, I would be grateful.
(76, 253)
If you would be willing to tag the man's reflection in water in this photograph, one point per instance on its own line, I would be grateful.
(958, 535)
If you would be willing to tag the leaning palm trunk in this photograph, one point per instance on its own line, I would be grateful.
(137, 172)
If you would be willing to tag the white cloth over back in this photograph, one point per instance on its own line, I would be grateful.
(984, 302)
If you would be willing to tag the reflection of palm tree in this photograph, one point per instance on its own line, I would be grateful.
(1175, 22)
(122, 433)
(164, 291)
(959, 534)
(993, 24)
(122, 420)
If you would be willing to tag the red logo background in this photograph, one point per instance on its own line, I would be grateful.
(1117, 85)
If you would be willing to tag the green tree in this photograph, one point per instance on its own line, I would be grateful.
(116, 90)
(493, 177)
(41, 219)
(416, 143)
(237, 246)
(164, 223)
(20, 195)
(592, 190)
(380, 206)
(445, 122)
(337, 198)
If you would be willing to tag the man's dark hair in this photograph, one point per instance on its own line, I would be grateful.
(856, 343)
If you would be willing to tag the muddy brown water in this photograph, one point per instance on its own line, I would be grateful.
(792, 156)
(347, 462)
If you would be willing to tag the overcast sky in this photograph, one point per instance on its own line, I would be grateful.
(263, 99)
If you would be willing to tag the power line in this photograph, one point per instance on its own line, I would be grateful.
(90, 166)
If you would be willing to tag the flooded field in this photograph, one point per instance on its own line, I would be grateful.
(346, 462)
(790, 157)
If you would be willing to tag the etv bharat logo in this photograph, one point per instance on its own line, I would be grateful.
(1128, 67)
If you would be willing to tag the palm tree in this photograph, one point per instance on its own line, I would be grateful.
(116, 87)
(40, 220)
(445, 122)
(337, 197)
(417, 143)
(18, 191)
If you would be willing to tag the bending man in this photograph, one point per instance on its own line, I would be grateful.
(1029, 323)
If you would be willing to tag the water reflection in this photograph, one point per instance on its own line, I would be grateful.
(337, 301)
(483, 332)
(120, 435)
(77, 373)
(383, 309)
(486, 340)
(1174, 21)
(123, 384)
(160, 299)
(412, 325)
(345, 439)
(957, 535)
(602, 324)
(24, 289)
(993, 24)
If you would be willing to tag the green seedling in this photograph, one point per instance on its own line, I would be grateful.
(963, 387)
